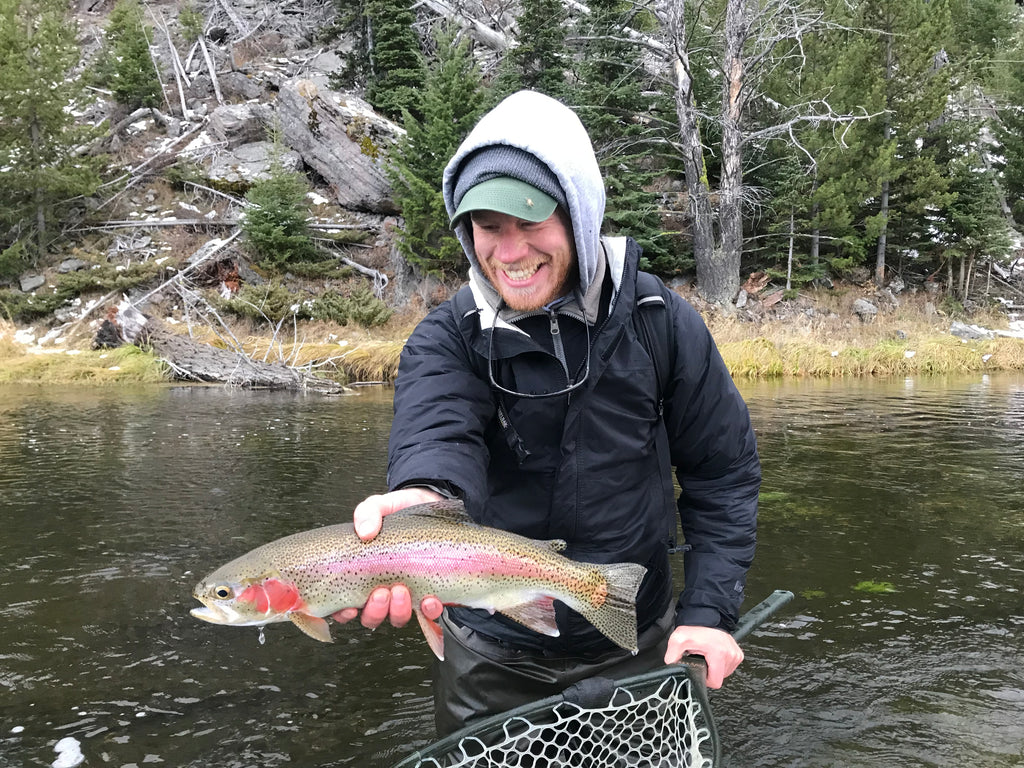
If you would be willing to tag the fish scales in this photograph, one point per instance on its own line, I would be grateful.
(434, 549)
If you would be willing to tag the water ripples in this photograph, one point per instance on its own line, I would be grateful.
(116, 503)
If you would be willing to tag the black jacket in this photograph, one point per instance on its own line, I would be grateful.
(583, 467)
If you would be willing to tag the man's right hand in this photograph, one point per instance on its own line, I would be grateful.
(393, 603)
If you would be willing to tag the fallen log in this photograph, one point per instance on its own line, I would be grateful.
(191, 360)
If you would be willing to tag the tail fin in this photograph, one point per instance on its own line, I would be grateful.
(612, 609)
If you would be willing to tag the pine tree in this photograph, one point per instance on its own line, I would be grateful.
(277, 227)
(453, 100)
(126, 66)
(625, 114)
(539, 61)
(1005, 88)
(396, 65)
(970, 225)
(916, 87)
(39, 171)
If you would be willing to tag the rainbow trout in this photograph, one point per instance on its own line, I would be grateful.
(434, 549)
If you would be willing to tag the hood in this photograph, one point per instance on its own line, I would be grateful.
(552, 133)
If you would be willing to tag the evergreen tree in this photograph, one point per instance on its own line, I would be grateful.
(625, 114)
(971, 224)
(453, 100)
(39, 171)
(126, 66)
(277, 226)
(916, 86)
(1008, 123)
(396, 65)
(539, 61)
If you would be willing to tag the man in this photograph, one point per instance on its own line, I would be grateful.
(536, 402)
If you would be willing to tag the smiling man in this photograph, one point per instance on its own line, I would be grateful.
(532, 397)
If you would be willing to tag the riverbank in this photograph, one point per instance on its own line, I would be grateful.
(816, 334)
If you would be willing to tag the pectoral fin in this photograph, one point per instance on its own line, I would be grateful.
(312, 625)
(538, 615)
(434, 634)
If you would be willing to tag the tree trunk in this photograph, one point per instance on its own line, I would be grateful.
(37, 195)
(789, 260)
(694, 167)
(884, 205)
(815, 226)
(722, 276)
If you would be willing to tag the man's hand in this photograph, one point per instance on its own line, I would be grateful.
(719, 649)
(370, 512)
(394, 603)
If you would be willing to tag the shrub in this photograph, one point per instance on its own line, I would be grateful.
(277, 228)
(125, 65)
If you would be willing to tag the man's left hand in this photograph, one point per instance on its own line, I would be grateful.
(719, 649)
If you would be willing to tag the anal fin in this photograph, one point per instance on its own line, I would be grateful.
(538, 615)
(312, 625)
(434, 634)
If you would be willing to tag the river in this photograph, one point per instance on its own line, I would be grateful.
(893, 509)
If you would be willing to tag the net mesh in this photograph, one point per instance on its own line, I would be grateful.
(654, 721)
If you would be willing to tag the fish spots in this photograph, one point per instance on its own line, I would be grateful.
(273, 596)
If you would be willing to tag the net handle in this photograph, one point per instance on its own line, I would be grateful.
(760, 613)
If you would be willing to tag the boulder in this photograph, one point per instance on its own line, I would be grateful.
(235, 84)
(865, 310)
(971, 332)
(341, 138)
(71, 265)
(250, 162)
(29, 283)
(236, 124)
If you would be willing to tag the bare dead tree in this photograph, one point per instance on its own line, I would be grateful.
(748, 38)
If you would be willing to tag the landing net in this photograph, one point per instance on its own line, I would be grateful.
(660, 719)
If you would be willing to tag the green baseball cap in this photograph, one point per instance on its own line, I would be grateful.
(507, 195)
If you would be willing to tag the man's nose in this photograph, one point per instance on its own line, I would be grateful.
(511, 246)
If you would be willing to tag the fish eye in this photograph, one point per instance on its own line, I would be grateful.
(223, 592)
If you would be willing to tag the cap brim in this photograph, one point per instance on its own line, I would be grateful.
(509, 196)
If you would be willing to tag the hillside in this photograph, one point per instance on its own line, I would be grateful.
(164, 234)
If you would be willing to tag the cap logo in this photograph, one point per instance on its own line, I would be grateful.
(529, 203)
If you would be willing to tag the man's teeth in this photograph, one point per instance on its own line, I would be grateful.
(521, 274)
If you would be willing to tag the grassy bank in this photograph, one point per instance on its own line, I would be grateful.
(815, 336)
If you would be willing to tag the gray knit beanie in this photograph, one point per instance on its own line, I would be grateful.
(496, 160)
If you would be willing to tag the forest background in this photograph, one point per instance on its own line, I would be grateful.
(835, 185)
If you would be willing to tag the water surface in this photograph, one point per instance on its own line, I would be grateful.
(895, 511)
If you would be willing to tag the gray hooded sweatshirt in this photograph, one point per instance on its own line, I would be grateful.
(551, 132)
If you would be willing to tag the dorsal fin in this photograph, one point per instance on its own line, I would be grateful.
(446, 509)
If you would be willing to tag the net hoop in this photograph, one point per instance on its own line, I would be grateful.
(659, 719)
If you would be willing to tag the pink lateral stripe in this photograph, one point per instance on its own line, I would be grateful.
(426, 559)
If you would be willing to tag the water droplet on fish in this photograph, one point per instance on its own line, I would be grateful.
(263, 638)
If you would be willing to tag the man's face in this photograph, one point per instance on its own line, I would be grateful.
(530, 264)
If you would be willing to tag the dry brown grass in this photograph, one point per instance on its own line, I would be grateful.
(829, 341)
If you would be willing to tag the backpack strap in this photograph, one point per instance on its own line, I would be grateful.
(463, 303)
(657, 334)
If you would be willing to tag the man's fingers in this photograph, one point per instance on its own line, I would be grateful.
(366, 518)
(431, 607)
(345, 615)
(400, 610)
(376, 608)
(719, 649)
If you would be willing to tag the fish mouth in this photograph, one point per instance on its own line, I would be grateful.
(206, 613)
